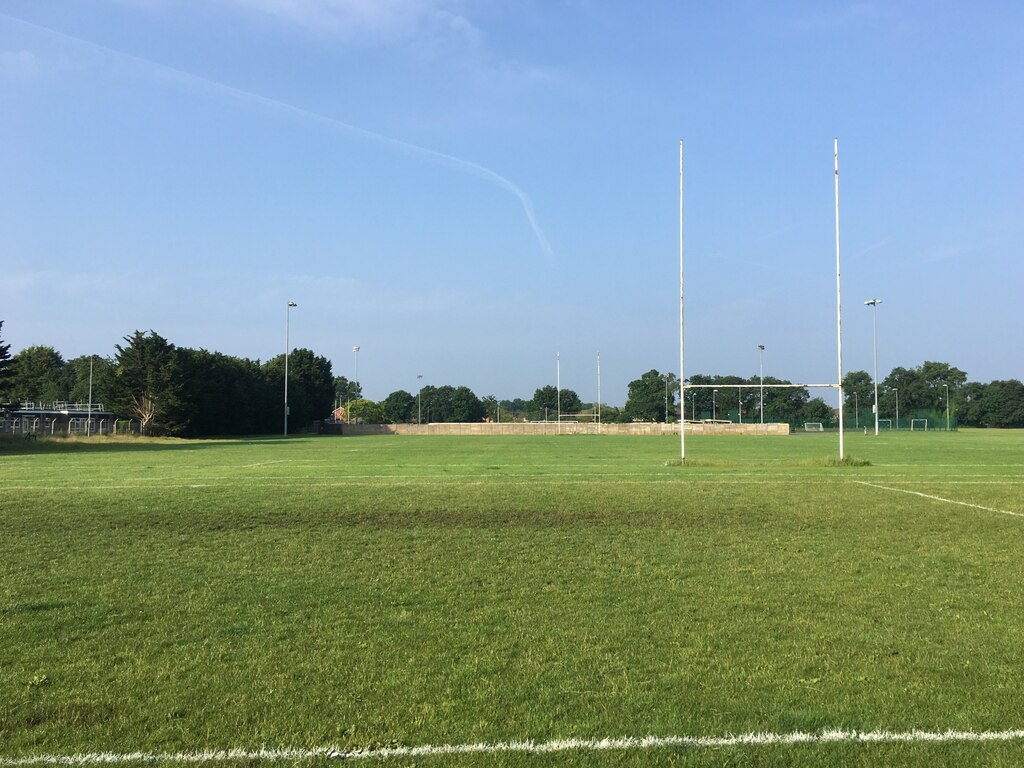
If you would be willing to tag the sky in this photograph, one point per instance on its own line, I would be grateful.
(486, 193)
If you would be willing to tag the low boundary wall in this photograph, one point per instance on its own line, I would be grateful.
(552, 428)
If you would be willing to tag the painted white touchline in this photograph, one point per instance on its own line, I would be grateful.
(836, 736)
(939, 498)
(265, 463)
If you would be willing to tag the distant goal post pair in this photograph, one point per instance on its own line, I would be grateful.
(810, 426)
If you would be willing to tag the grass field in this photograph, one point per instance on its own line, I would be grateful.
(364, 593)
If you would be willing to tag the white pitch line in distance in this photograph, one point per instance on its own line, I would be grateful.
(837, 736)
(940, 498)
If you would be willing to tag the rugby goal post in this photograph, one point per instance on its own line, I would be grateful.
(838, 385)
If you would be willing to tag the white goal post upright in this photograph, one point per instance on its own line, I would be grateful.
(682, 374)
(839, 309)
(683, 386)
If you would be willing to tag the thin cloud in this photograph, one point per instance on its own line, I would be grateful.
(378, 20)
(188, 79)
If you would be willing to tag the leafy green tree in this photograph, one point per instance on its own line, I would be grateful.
(817, 410)
(516, 407)
(367, 412)
(451, 404)
(646, 397)
(39, 375)
(399, 408)
(311, 386)
(996, 404)
(225, 395)
(5, 367)
(345, 390)
(491, 407)
(784, 404)
(147, 383)
(858, 397)
(548, 400)
(77, 372)
(922, 388)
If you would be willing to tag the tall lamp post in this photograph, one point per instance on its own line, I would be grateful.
(897, 393)
(873, 303)
(947, 406)
(760, 353)
(355, 354)
(714, 405)
(287, 344)
(419, 399)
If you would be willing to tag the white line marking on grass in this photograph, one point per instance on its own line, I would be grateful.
(265, 463)
(939, 498)
(527, 747)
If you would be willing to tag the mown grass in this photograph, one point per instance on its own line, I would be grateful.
(169, 595)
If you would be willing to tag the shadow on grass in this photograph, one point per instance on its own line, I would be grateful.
(20, 446)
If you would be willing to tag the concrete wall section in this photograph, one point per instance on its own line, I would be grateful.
(551, 428)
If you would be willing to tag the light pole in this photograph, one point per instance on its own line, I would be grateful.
(88, 417)
(714, 405)
(287, 320)
(355, 354)
(947, 406)
(873, 303)
(856, 410)
(760, 353)
(419, 399)
(666, 398)
(739, 402)
(897, 393)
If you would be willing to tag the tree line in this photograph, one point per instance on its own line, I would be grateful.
(194, 392)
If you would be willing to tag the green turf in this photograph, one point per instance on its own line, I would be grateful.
(359, 592)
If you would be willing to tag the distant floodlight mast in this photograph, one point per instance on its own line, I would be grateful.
(947, 406)
(355, 353)
(760, 352)
(419, 399)
(287, 319)
(873, 303)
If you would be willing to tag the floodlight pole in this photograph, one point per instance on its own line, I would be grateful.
(760, 407)
(88, 415)
(558, 389)
(896, 391)
(714, 405)
(419, 400)
(947, 406)
(598, 393)
(873, 303)
(355, 354)
(682, 370)
(839, 308)
(287, 320)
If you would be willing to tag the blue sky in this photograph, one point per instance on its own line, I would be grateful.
(466, 188)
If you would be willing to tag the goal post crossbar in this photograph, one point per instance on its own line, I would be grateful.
(757, 386)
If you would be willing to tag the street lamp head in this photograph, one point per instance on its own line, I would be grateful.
(761, 347)
(292, 304)
(872, 302)
(355, 349)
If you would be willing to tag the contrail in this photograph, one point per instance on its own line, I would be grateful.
(188, 78)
